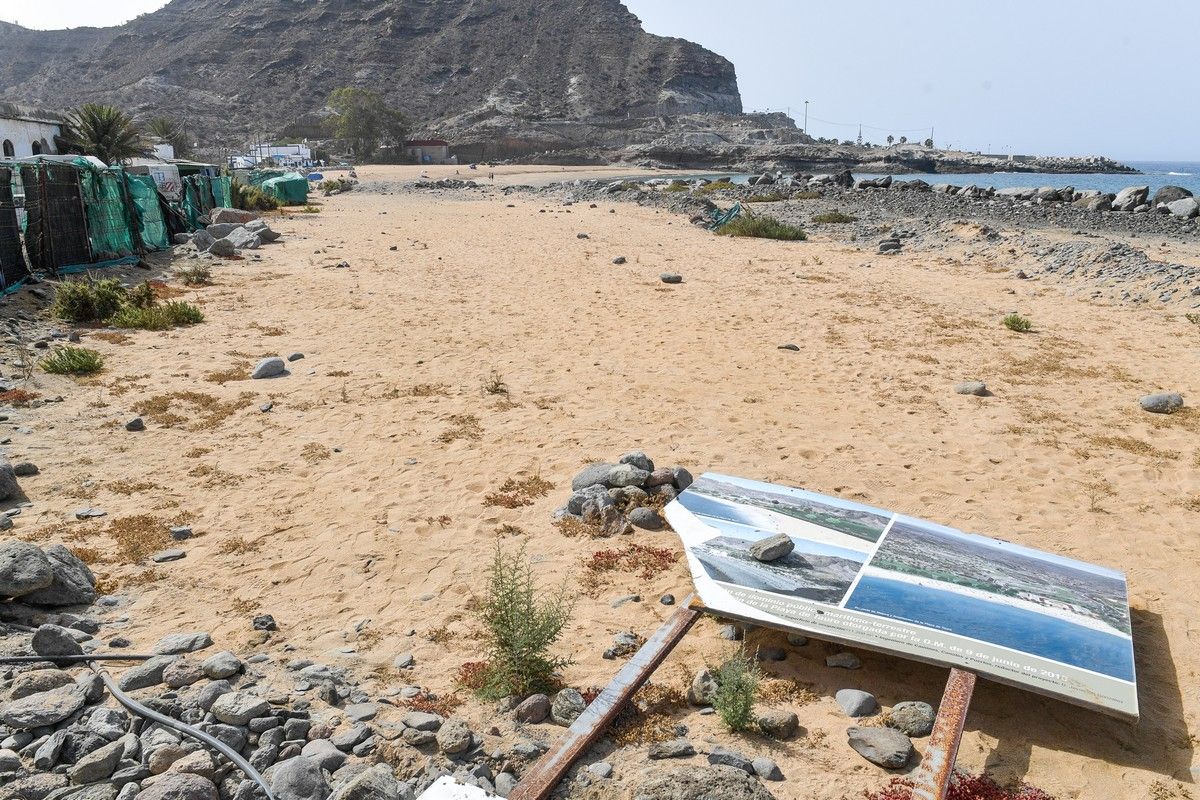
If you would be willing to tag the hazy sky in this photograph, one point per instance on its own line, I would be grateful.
(1064, 77)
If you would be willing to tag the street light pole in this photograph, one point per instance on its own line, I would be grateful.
(806, 116)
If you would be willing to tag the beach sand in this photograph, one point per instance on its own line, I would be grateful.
(361, 496)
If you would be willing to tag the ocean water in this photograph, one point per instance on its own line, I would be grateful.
(1155, 174)
(998, 623)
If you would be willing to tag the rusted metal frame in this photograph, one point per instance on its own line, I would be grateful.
(543, 776)
(932, 779)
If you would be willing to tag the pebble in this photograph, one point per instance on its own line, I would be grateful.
(675, 748)
(856, 703)
(601, 769)
(977, 388)
(912, 718)
(89, 513)
(793, 347)
(671, 277)
(667, 599)
(166, 556)
(797, 640)
(135, 424)
(884, 747)
(25, 469)
(181, 532)
(295, 356)
(619, 260)
(766, 769)
(1165, 403)
(265, 407)
(845, 660)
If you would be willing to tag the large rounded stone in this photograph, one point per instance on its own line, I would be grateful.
(24, 568)
(592, 475)
(1165, 403)
(325, 753)
(638, 459)
(532, 709)
(238, 708)
(454, 737)
(50, 641)
(376, 783)
(42, 709)
(772, 548)
(221, 665)
(299, 778)
(567, 706)
(73, 583)
(39, 680)
(627, 475)
(912, 718)
(646, 518)
(884, 747)
(696, 782)
(856, 703)
(778, 724)
(269, 367)
(182, 786)
(703, 688)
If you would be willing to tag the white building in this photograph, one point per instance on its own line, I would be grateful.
(27, 132)
(291, 155)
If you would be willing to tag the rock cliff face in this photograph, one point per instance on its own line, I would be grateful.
(499, 67)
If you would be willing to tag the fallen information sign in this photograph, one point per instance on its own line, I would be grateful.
(900, 585)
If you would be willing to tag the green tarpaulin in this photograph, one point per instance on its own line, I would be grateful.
(290, 189)
(152, 226)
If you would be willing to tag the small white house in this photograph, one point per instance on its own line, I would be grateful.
(27, 132)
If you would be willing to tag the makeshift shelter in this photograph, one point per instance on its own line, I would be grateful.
(13, 270)
(290, 189)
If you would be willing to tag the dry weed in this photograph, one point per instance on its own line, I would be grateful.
(518, 492)
(462, 426)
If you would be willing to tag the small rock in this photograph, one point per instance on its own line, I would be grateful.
(977, 388)
(1166, 403)
(135, 424)
(269, 368)
(912, 718)
(454, 737)
(671, 277)
(676, 748)
(703, 688)
(421, 721)
(42, 709)
(265, 622)
(723, 757)
(176, 643)
(779, 724)
(619, 260)
(24, 568)
(325, 753)
(772, 548)
(667, 599)
(884, 747)
(568, 704)
(793, 347)
(295, 356)
(168, 555)
(856, 703)
(52, 640)
(766, 769)
(299, 778)
(797, 640)
(646, 518)
(180, 533)
(238, 708)
(532, 709)
(845, 660)
(25, 469)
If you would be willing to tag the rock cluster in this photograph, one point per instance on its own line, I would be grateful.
(615, 498)
(231, 230)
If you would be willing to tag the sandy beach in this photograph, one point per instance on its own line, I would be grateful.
(355, 510)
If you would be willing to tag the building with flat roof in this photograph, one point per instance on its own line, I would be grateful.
(26, 132)
(429, 151)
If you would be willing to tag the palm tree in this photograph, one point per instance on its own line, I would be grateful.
(170, 131)
(105, 132)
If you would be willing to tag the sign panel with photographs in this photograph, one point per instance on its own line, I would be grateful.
(901, 585)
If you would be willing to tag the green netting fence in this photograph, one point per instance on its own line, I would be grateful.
(201, 194)
(151, 225)
(111, 229)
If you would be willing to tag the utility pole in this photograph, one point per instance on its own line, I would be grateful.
(806, 116)
(860, 134)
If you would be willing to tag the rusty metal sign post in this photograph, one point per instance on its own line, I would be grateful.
(932, 779)
(542, 777)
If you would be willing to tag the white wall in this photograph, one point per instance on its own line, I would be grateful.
(23, 134)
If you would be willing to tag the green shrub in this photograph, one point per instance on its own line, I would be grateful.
(771, 197)
(762, 228)
(718, 185)
(67, 360)
(252, 198)
(520, 625)
(677, 186)
(833, 218)
(1015, 322)
(340, 185)
(142, 296)
(198, 275)
(1193, 318)
(157, 317)
(737, 689)
(807, 195)
(88, 299)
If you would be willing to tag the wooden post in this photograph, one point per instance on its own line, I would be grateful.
(543, 776)
(932, 779)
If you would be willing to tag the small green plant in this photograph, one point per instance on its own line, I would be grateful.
(494, 384)
(1015, 322)
(310, 209)
(141, 296)
(769, 197)
(737, 689)
(808, 194)
(157, 317)
(67, 360)
(252, 198)
(340, 185)
(198, 275)
(833, 218)
(676, 186)
(762, 228)
(88, 299)
(520, 625)
(1193, 318)
(716, 186)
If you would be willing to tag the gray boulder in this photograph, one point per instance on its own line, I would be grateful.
(238, 708)
(703, 688)
(1187, 208)
(52, 640)
(99, 764)
(24, 568)
(638, 459)
(299, 778)
(221, 665)
(1165, 403)
(532, 709)
(243, 239)
(568, 704)
(269, 368)
(646, 518)
(683, 478)
(182, 786)
(219, 230)
(627, 475)
(772, 548)
(421, 721)
(203, 240)
(1169, 194)
(592, 475)
(674, 748)
(912, 718)
(454, 737)
(38, 680)
(42, 709)
(977, 388)
(261, 229)
(34, 787)
(325, 753)
(730, 758)
(73, 583)
(856, 703)
(235, 215)
(697, 782)
(778, 723)
(1130, 198)
(175, 643)
(766, 769)
(144, 675)
(223, 248)
(884, 747)
(376, 783)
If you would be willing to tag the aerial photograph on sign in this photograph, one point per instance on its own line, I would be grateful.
(997, 592)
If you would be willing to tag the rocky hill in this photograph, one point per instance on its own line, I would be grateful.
(500, 67)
